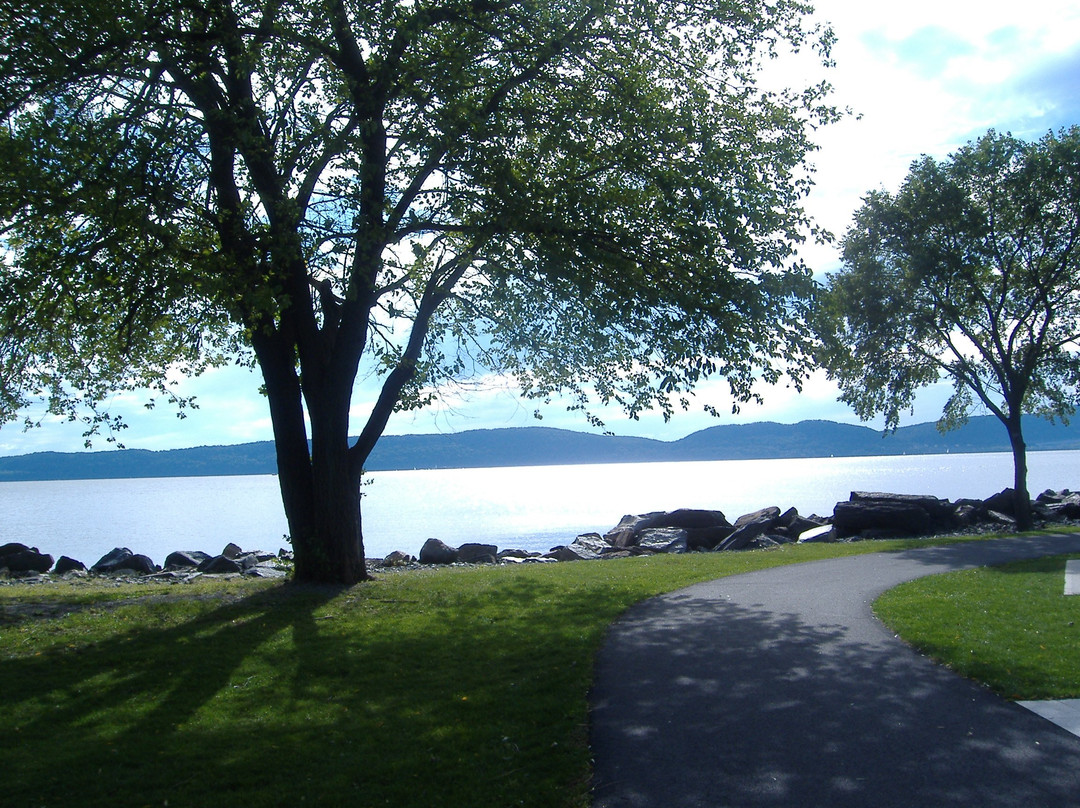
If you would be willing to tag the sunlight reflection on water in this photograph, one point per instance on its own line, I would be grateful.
(532, 508)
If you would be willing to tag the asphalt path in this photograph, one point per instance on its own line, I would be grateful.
(780, 688)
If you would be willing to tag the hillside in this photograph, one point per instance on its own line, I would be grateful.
(535, 446)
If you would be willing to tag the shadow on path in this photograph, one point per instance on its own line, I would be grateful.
(777, 688)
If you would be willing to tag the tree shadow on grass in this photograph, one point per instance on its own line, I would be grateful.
(287, 697)
(130, 719)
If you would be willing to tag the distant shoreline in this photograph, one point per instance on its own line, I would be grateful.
(544, 446)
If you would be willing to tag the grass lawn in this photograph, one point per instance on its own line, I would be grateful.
(447, 687)
(1010, 627)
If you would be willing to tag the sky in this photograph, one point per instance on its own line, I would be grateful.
(924, 80)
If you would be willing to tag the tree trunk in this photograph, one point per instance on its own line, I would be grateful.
(328, 549)
(332, 548)
(320, 487)
(1022, 500)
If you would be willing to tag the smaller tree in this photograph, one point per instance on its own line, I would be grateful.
(971, 272)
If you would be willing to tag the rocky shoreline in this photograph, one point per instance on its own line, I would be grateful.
(865, 515)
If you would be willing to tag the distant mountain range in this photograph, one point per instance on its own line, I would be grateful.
(540, 446)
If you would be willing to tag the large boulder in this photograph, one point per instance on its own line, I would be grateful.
(791, 524)
(688, 518)
(625, 533)
(706, 538)
(749, 528)
(664, 540)
(398, 558)
(142, 564)
(437, 552)
(1003, 502)
(184, 559)
(20, 558)
(704, 528)
(936, 508)
(771, 515)
(968, 512)
(116, 560)
(266, 569)
(585, 547)
(474, 553)
(879, 514)
(1059, 505)
(879, 519)
(571, 552)
(64, 564)
(220, 565)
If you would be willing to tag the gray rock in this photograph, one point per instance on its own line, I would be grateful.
(232, 551)
(586, 547)
(743, 535)
(264, 570)
(624, 534)
(398, 559)
(565, 553)
(967, 515)
(65, 564)
(793, 525)
(592, 542)
(881, 515)
(689, 518)
(1005, 519)
(437, 552)
(141, 564)
(29, 560)
(184, 559)
(880, 519)
(113, 560)
(940, 511)
(706, 538)
(619, 554)
(770, 516)
(474, 553)
(220, 565)
(1062, 510)
(750, 527)
(706, 527)
(664, 540)
(121, 559)
(766, 542)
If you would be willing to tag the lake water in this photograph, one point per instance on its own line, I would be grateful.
(531, 508)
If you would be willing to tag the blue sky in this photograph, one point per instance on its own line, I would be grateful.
(923, 80)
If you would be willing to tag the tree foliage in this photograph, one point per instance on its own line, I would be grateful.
(594, 197)
(971, 272)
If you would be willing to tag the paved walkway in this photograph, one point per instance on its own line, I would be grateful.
(780, 688)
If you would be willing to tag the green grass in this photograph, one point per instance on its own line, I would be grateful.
(1010, 627)
(449, 687)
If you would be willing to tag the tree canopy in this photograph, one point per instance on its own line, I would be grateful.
(595, 197)
(970, 272)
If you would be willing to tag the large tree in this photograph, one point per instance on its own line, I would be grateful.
(970, 272)
(595, 197)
